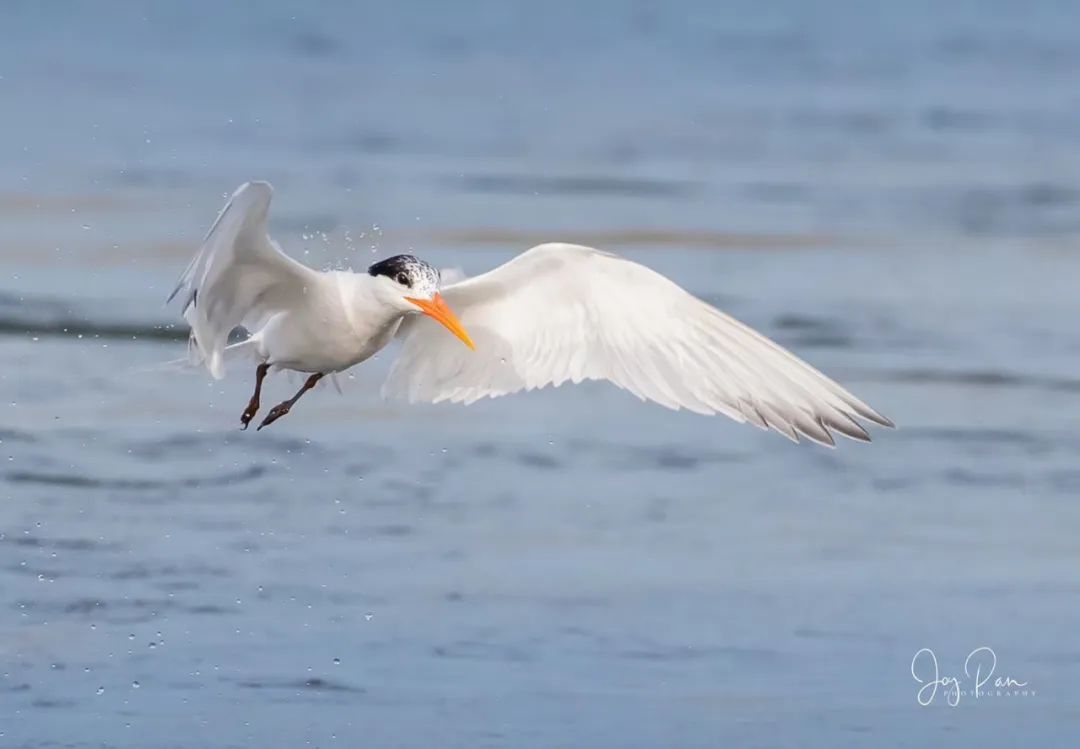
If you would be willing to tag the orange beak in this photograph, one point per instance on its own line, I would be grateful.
(438, 310)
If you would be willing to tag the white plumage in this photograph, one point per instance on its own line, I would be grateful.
(566, 313)
(554, 314)
(241, 275)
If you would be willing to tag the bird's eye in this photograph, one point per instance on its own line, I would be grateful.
(403, 279)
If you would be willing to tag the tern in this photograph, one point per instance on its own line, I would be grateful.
(556, 313)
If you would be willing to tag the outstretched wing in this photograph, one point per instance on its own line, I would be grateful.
(562, 312)
(239, 277)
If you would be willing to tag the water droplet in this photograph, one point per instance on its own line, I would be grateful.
(337, 661)
(101, 690)
(134, 685)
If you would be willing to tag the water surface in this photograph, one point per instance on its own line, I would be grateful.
(892, 194)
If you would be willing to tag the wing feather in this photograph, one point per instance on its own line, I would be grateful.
(239, 276)
(565, 313)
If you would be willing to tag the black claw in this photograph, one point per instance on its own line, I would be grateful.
(275, 413)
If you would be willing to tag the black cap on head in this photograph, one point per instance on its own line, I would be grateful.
(407, 270)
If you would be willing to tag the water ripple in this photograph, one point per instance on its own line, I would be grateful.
(79, 481)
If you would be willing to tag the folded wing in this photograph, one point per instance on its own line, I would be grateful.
(565, 313)
(239, 277)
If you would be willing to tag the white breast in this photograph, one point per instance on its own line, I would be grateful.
(339, 325)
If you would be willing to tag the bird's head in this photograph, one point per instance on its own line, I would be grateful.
(411, 285)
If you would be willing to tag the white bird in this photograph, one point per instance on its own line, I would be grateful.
(554, 314)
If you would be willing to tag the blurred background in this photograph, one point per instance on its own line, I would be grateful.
(892, 190)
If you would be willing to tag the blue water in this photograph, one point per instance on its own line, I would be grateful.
(893, 191)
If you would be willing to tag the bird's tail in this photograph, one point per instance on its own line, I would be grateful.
(194, 359)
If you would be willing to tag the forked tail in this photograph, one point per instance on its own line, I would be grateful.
(245, 349)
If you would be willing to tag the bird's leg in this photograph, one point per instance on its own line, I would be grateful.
(253, 404)
(283, 408)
